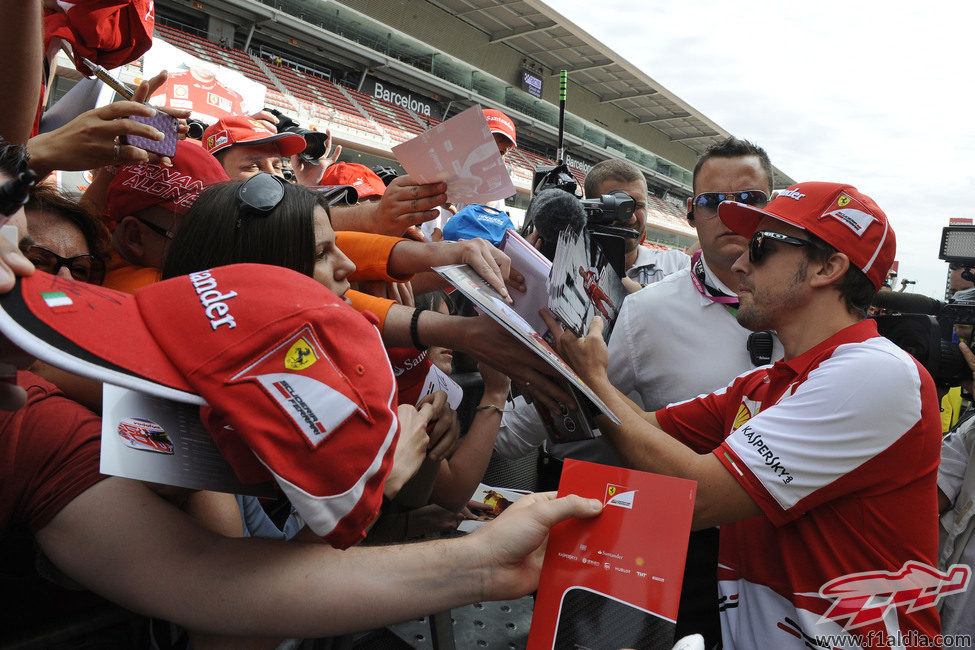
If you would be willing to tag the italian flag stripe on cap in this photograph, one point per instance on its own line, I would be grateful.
(56, 299)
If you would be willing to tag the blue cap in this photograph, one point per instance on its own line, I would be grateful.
(478, 221)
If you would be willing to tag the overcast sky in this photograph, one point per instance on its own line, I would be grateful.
(875, 94)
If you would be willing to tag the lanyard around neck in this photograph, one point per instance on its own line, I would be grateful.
(713, 294)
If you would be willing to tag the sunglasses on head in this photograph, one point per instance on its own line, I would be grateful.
(955, 266)
(84, 268)
(709, 201)
(259, 195)
(758, 246)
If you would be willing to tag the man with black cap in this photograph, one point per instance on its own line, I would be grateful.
(821, 468)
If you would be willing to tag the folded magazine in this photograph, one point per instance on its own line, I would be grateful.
(576, 423)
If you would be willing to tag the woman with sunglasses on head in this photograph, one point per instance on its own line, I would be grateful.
(213, 239)
(266, 220)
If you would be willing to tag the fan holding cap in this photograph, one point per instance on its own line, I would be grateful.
(834, 450)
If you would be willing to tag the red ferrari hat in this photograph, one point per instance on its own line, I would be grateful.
(248, 131)
(839, 214)
(137, 187)
(296, 383)
(498, 122)
(364, 180)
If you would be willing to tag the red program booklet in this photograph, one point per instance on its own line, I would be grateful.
(614, 581)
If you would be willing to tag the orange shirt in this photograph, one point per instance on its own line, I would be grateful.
(126, 277)
(370, 253)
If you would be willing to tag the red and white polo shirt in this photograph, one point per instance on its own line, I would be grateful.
(839, 447)
(209, 100)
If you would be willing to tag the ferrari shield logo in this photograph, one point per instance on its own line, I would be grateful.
(742, 417)
(300, 355)
(618, 495)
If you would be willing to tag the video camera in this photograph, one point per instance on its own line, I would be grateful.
(315, 141)
(555, 206)
(916, 327)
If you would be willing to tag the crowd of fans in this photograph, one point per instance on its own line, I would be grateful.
(348, 285)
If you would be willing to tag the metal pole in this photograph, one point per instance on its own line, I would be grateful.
(563, 82)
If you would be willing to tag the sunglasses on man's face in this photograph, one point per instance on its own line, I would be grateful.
(758, 246)
(708, 201)
(84, 268)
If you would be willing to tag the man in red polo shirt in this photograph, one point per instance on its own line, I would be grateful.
(821, 468)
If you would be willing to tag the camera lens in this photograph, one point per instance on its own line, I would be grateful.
(314, 145)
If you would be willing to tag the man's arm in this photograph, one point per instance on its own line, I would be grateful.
(122, 541)
(406, 203)
(21, 48)
(482, 338)
(643, 445)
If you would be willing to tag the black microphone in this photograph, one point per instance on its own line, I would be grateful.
(908, 303)
(552, 211)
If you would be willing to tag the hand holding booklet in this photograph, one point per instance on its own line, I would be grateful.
(614, 581)
(489, 301)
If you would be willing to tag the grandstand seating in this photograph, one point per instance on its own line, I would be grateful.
(366, 116)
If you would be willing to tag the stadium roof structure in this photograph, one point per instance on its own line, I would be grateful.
(536, 30)
(542, 34)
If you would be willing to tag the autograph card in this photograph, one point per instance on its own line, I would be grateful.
(153, 439)
(462, 153)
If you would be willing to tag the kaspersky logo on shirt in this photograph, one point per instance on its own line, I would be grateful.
(766, 455)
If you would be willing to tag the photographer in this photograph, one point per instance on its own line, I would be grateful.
(644, 266)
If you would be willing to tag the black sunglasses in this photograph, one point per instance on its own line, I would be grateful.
(156, 228)
(709, 201)
(259, 195)
(758, 246)
(955, 266)
(84, 268)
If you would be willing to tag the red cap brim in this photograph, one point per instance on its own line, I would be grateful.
(91, 331)
(289, 144)
(743, 219)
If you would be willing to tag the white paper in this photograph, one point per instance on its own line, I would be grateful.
(185, 456)
(526, 259)
(436, 380)
(461, 152)
(474, 287)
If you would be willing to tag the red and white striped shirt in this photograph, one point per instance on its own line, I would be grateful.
(839, 448)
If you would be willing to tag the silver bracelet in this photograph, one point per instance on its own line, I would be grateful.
(484, 407)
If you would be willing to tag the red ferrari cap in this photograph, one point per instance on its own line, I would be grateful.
(839, 214)
(364, 180)
(137, 187)
(248, 131)
(296, 382)
(500, 123)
